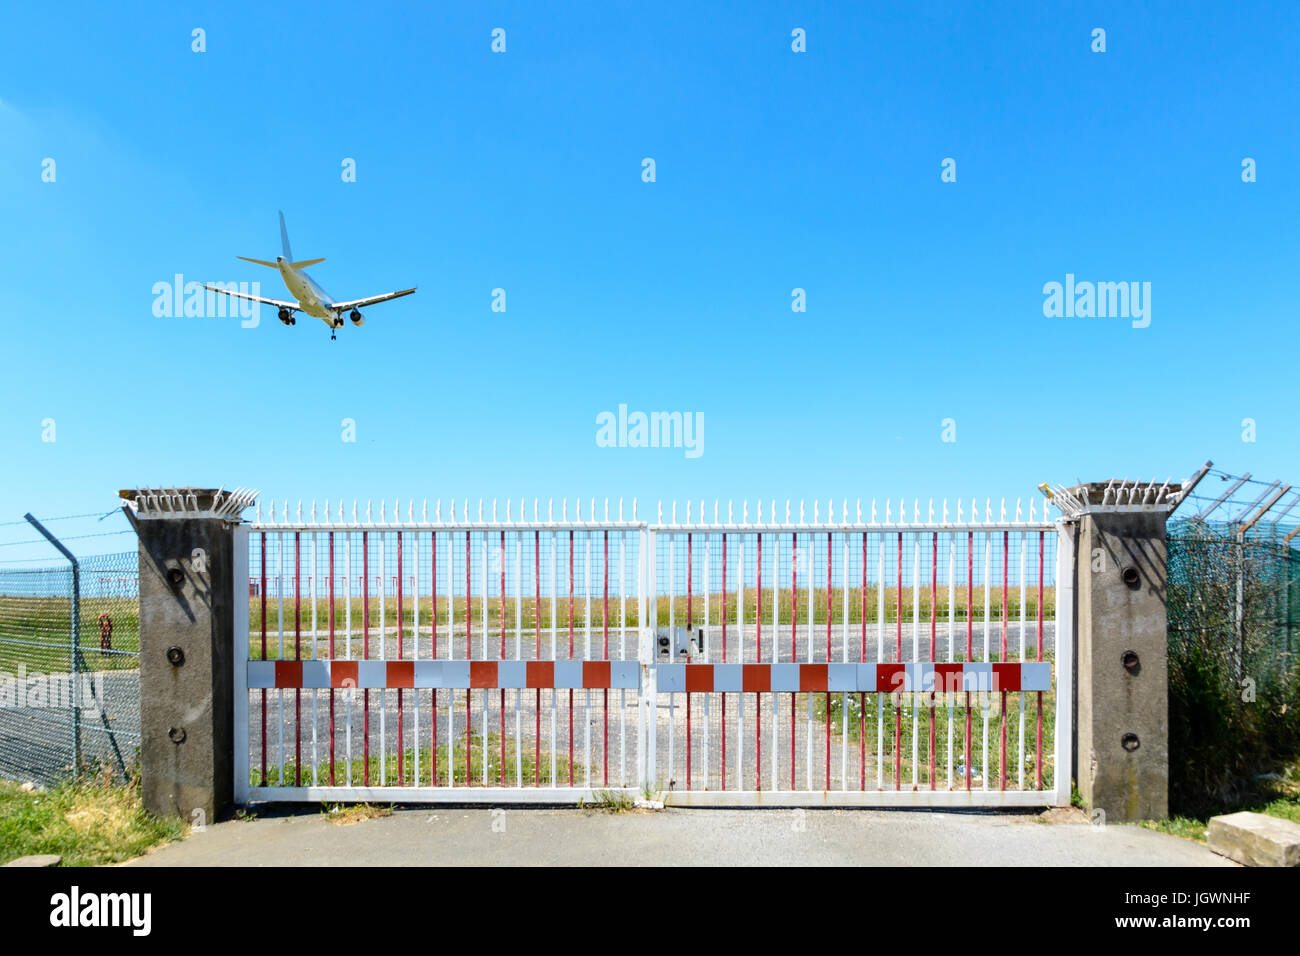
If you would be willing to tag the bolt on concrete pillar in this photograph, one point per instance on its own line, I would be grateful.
(193, 587)
(1122, 722)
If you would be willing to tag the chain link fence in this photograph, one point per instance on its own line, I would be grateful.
(69, 669)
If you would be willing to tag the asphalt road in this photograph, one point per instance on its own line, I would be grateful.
(677, 837)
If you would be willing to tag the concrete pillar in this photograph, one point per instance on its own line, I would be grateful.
(1122, 742)
(193, 560)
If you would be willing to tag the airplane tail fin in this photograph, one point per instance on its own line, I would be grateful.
(306, 262)
(284, 238)
(260, 262)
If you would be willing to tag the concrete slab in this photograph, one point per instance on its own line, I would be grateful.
(41, 859)
(1255, 839)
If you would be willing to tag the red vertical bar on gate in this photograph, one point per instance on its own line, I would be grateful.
(331, 598)
(794, 642)
(297, 655)
(503, 657)
(365, 646)
(1002, 658)
(862, 658)
(724, 658)
(570, 655)
(401, 736)
(898, 656)
(970, 633)
(758, 656)
(934, 616)
(604, 653)
(1038, 746)
(469, 653)
(433, 640)
(688, 637)
(263, 602)
(537, 655)
(829, 559)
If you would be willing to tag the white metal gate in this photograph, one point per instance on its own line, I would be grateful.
(794, 661)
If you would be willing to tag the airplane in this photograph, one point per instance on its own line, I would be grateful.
(310, 297)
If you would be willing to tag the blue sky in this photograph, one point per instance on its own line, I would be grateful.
(522, 171)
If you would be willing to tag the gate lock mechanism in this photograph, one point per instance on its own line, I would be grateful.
(175, 656)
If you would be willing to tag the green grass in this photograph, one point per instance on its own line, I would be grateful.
(286, 777)
(529, 612)
(1015, 701)
(1276, 798)
(36, 632)
(609, 801)
(88, 823)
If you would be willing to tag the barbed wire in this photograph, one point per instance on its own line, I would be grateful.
(90, 514)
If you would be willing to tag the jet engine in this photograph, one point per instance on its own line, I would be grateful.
(287, 317)
(357, 318)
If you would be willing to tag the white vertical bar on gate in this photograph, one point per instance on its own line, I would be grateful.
(708, 587)
(844, 641)
(916, 647)
(586, 651)
(647, 650)
(740, 659)
(483, 591)
(812, 610)
(672, 648)
(555, 637)
(519, 641)
(622, 648)
(880, 654)
(776, 651)
(415, 654)
(240, 662)
(451, 649)
(383, 655)
(347, 650)
(1020, 762)
(986, 697)
(952, 636)
(279, 594)
(315, 656)
(1065, 570)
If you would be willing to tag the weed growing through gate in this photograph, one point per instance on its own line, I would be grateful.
(609, 801)
(346, 815)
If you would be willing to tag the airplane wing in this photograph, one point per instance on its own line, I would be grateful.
(292, 306)
(371, 300)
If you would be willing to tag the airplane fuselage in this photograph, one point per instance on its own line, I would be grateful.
(313, 299)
